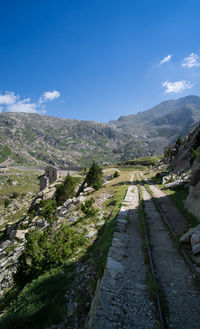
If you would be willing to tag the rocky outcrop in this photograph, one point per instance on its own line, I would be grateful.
(181, 155)
(193, 237)
(183, 159)
(192, 202)
(46, 194)
(12, 248)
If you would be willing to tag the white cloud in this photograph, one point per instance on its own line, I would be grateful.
(49, 96)
(9, 102)
(8, 98)
(193, 60)
(24, 106)
(176, 87)
(165, 59)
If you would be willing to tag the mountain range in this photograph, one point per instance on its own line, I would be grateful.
(40, 139)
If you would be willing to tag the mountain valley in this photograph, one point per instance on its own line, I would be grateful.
(33, 139)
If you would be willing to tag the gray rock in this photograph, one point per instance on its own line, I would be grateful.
(5, 244)
(40, 222)
(14, 183)
(187, 236)
(90, 234)
(71, 308)
(18, 234)
(178, 183)
(114, 267)
(88, 190)
(195, 239)
(196, 249)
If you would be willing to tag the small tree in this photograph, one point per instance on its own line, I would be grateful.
(116, 174)
(49, 210)
(179, 141)
(65, 190)
(94, 176)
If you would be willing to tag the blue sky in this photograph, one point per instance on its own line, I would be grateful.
(97, 59)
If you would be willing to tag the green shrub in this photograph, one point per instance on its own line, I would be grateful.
(88, 209)
(7, 202)
(9, 180)
(5, 152)
(116, 174)
(49, 209)
(14, 195)
(179, 141)
(47, 249)
(167, 152)
(193, 156)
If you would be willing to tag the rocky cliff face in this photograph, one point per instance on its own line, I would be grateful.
(184, 156)
(192, 202)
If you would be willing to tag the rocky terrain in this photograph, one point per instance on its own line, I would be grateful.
(183, 161)
(183, 157)
(68, 289)
(36, 139)
(91, 234)
(168, 120)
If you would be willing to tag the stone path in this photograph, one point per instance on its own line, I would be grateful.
(182, 296)
(175, 218)
(121, 300)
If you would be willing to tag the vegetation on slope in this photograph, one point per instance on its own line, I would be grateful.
(60, 267)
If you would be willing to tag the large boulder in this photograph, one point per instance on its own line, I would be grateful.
(186, 237)
(193, 236)
(46, 194)
(192, 203)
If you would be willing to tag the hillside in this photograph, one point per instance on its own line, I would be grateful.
(38, 139)
(167, 120)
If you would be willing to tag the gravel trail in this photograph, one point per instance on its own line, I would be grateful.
(122, 301)
(183, 298)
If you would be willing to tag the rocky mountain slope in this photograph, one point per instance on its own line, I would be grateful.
(37, 139)
(167, 120)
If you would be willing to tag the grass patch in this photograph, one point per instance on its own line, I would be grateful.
(144, 161)
(4, 153)
(178, 197)
(40, 303)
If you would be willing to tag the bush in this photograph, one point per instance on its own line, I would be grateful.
(179, 141)
(49, 209)
(14, 195)
(6, 202)
(116, 174)
(88, 209)
(45, 250)
(193, 156)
